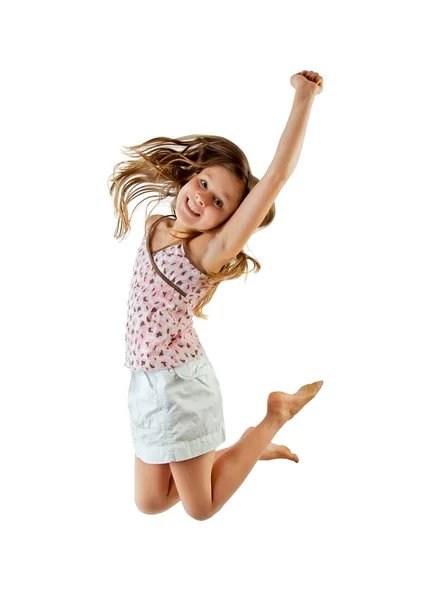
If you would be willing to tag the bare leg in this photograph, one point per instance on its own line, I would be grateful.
(172, 489)
(255, 444)
(271, 452)
(172, 494)
(232, 467)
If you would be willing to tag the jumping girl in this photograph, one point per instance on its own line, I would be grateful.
(174, 400)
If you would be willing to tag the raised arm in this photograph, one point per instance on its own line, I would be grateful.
(235, 233)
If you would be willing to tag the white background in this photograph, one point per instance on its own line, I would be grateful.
(337, 299)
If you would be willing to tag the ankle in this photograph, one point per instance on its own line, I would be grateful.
(274, 421)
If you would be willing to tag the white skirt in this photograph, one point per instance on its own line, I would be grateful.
(176, 413)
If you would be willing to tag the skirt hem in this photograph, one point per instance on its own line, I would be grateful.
(179, 451)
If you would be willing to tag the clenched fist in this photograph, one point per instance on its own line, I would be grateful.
(307, 82)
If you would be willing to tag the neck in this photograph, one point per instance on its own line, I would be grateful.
(173, 227)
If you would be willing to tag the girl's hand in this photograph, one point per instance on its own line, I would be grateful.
(307, 82)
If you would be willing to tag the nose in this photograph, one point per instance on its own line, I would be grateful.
(202, 197)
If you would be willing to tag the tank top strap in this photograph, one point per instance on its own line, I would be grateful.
(149, 230)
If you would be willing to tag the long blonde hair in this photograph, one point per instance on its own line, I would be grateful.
(162, 166)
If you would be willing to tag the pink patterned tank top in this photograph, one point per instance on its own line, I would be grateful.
(165, 285)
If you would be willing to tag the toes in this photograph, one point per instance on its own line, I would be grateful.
(292, 456)
(286, 452)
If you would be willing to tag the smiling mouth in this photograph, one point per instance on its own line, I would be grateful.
(189, 210)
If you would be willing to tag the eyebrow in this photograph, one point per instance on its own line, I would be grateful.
(225, 197)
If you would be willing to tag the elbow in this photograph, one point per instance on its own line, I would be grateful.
(277, 179)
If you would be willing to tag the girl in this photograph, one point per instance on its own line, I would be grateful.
(174, 399)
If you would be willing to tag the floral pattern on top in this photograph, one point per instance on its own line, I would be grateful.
(164, 288)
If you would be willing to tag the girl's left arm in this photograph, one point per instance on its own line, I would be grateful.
(291, 142)
(235, 232)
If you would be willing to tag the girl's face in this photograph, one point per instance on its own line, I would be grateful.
(214, 193)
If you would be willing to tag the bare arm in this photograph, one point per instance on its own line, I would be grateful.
(291, 142)
(235, 233)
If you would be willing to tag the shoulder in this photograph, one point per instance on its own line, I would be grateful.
(151, 220)
(207, 252)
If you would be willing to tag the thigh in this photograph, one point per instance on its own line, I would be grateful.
(192, 478)
(151, 485)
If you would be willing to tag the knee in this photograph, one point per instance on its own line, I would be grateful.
(200, 517)
(199, 514)
(148, 507)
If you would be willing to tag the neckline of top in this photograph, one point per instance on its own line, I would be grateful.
(182, 244)
(150, 231)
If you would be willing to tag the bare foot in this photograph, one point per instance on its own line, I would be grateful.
(273, 451)
(284, 406)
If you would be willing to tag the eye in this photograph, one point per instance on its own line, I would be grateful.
(216, 199)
